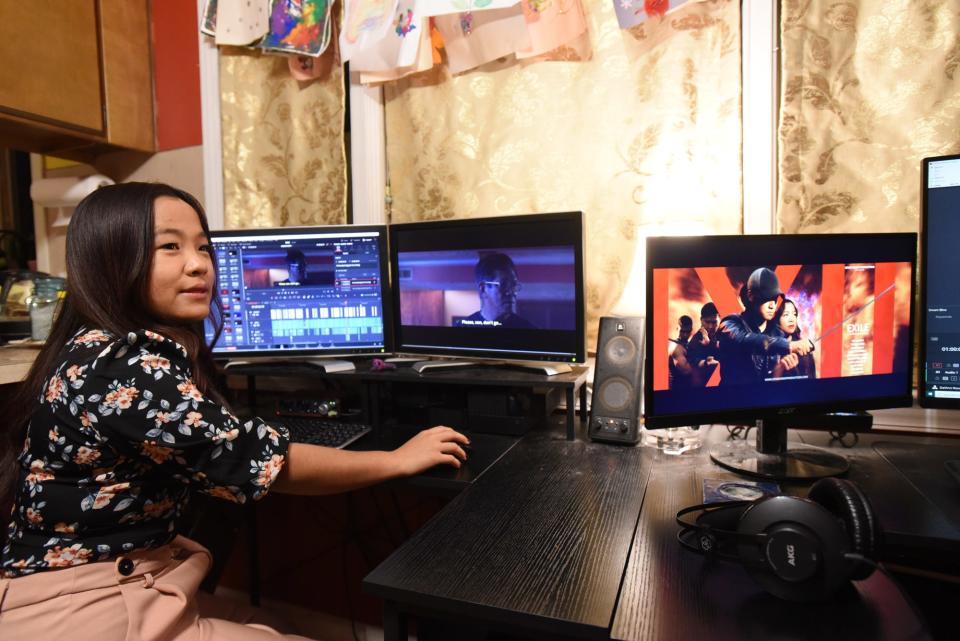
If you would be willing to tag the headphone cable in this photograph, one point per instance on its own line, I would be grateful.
(859, 558)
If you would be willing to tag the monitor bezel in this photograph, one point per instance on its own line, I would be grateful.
(385, 296)
(741, 415)
(575, 217)
(922, 399)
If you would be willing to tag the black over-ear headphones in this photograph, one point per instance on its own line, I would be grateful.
(797, 549)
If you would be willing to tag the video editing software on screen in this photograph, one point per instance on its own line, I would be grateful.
(829, 322)
(313, 292)
(941, 377)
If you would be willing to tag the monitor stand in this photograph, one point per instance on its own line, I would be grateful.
(328, 365)
(422, 366)
(771, 458)
(547, 369)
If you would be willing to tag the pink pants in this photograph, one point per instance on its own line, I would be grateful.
(157, 601)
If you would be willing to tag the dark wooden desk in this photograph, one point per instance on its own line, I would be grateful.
(485, 451)
(917, 501)
(671, 593)
(537, 544)
(544, 545)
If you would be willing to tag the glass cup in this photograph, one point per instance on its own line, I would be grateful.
(674, 440)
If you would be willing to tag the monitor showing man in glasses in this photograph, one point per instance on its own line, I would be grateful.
(497, 287)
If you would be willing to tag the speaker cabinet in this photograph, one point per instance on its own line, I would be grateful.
(617, 381)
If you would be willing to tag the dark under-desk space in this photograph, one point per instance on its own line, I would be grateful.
(480, 398)
(538, 543)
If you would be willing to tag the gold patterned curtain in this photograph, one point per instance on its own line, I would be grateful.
(869, 88)
(643, 137)
(284, 161)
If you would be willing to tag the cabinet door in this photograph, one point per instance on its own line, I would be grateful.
(127, 74)
(50, 62)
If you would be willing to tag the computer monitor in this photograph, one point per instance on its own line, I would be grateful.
(725, 313)
(506, 288)
(302, 291)
(939, 384)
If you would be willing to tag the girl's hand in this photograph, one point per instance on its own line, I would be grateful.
(434, 446)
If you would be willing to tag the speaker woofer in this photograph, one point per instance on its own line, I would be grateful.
(615, 393)
(621, 350)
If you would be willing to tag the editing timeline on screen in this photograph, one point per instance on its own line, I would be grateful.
(302, 290)
(940, 301)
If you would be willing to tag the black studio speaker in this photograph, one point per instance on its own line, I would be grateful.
(617, 381)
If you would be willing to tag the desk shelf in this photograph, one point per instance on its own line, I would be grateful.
(570, 384)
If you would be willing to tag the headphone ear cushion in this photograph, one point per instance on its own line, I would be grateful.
(844, 500)
(800, 557)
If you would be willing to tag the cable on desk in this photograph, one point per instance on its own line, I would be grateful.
(840, 436)
(735, 431)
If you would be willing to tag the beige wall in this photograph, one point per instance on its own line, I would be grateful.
(182, 168)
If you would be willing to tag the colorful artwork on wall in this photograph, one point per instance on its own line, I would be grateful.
(299, 26)
(632, 12)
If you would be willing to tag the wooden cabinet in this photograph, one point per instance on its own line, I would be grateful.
(75, 76)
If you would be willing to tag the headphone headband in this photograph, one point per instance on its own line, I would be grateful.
(706, 508)
(710, 535)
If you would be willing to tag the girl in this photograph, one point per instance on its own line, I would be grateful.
(793, 365)
(118, 421)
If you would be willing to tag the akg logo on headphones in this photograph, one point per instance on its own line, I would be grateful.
(791, 555)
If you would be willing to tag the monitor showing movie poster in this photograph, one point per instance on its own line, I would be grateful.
(760, 324)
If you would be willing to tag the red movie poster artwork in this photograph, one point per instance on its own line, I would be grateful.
(855, 315)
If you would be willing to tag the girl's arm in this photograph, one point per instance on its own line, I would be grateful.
(313, 469)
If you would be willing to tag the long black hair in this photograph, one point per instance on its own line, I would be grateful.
(776, 319)
(110, 246)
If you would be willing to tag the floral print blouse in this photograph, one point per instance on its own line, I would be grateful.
(119, 439)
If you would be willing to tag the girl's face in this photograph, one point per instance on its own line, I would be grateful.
(788, 320)
(181, 275)
(769, 309)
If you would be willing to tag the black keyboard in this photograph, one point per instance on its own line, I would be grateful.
(318, 431)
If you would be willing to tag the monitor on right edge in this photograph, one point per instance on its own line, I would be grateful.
(939, 363)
